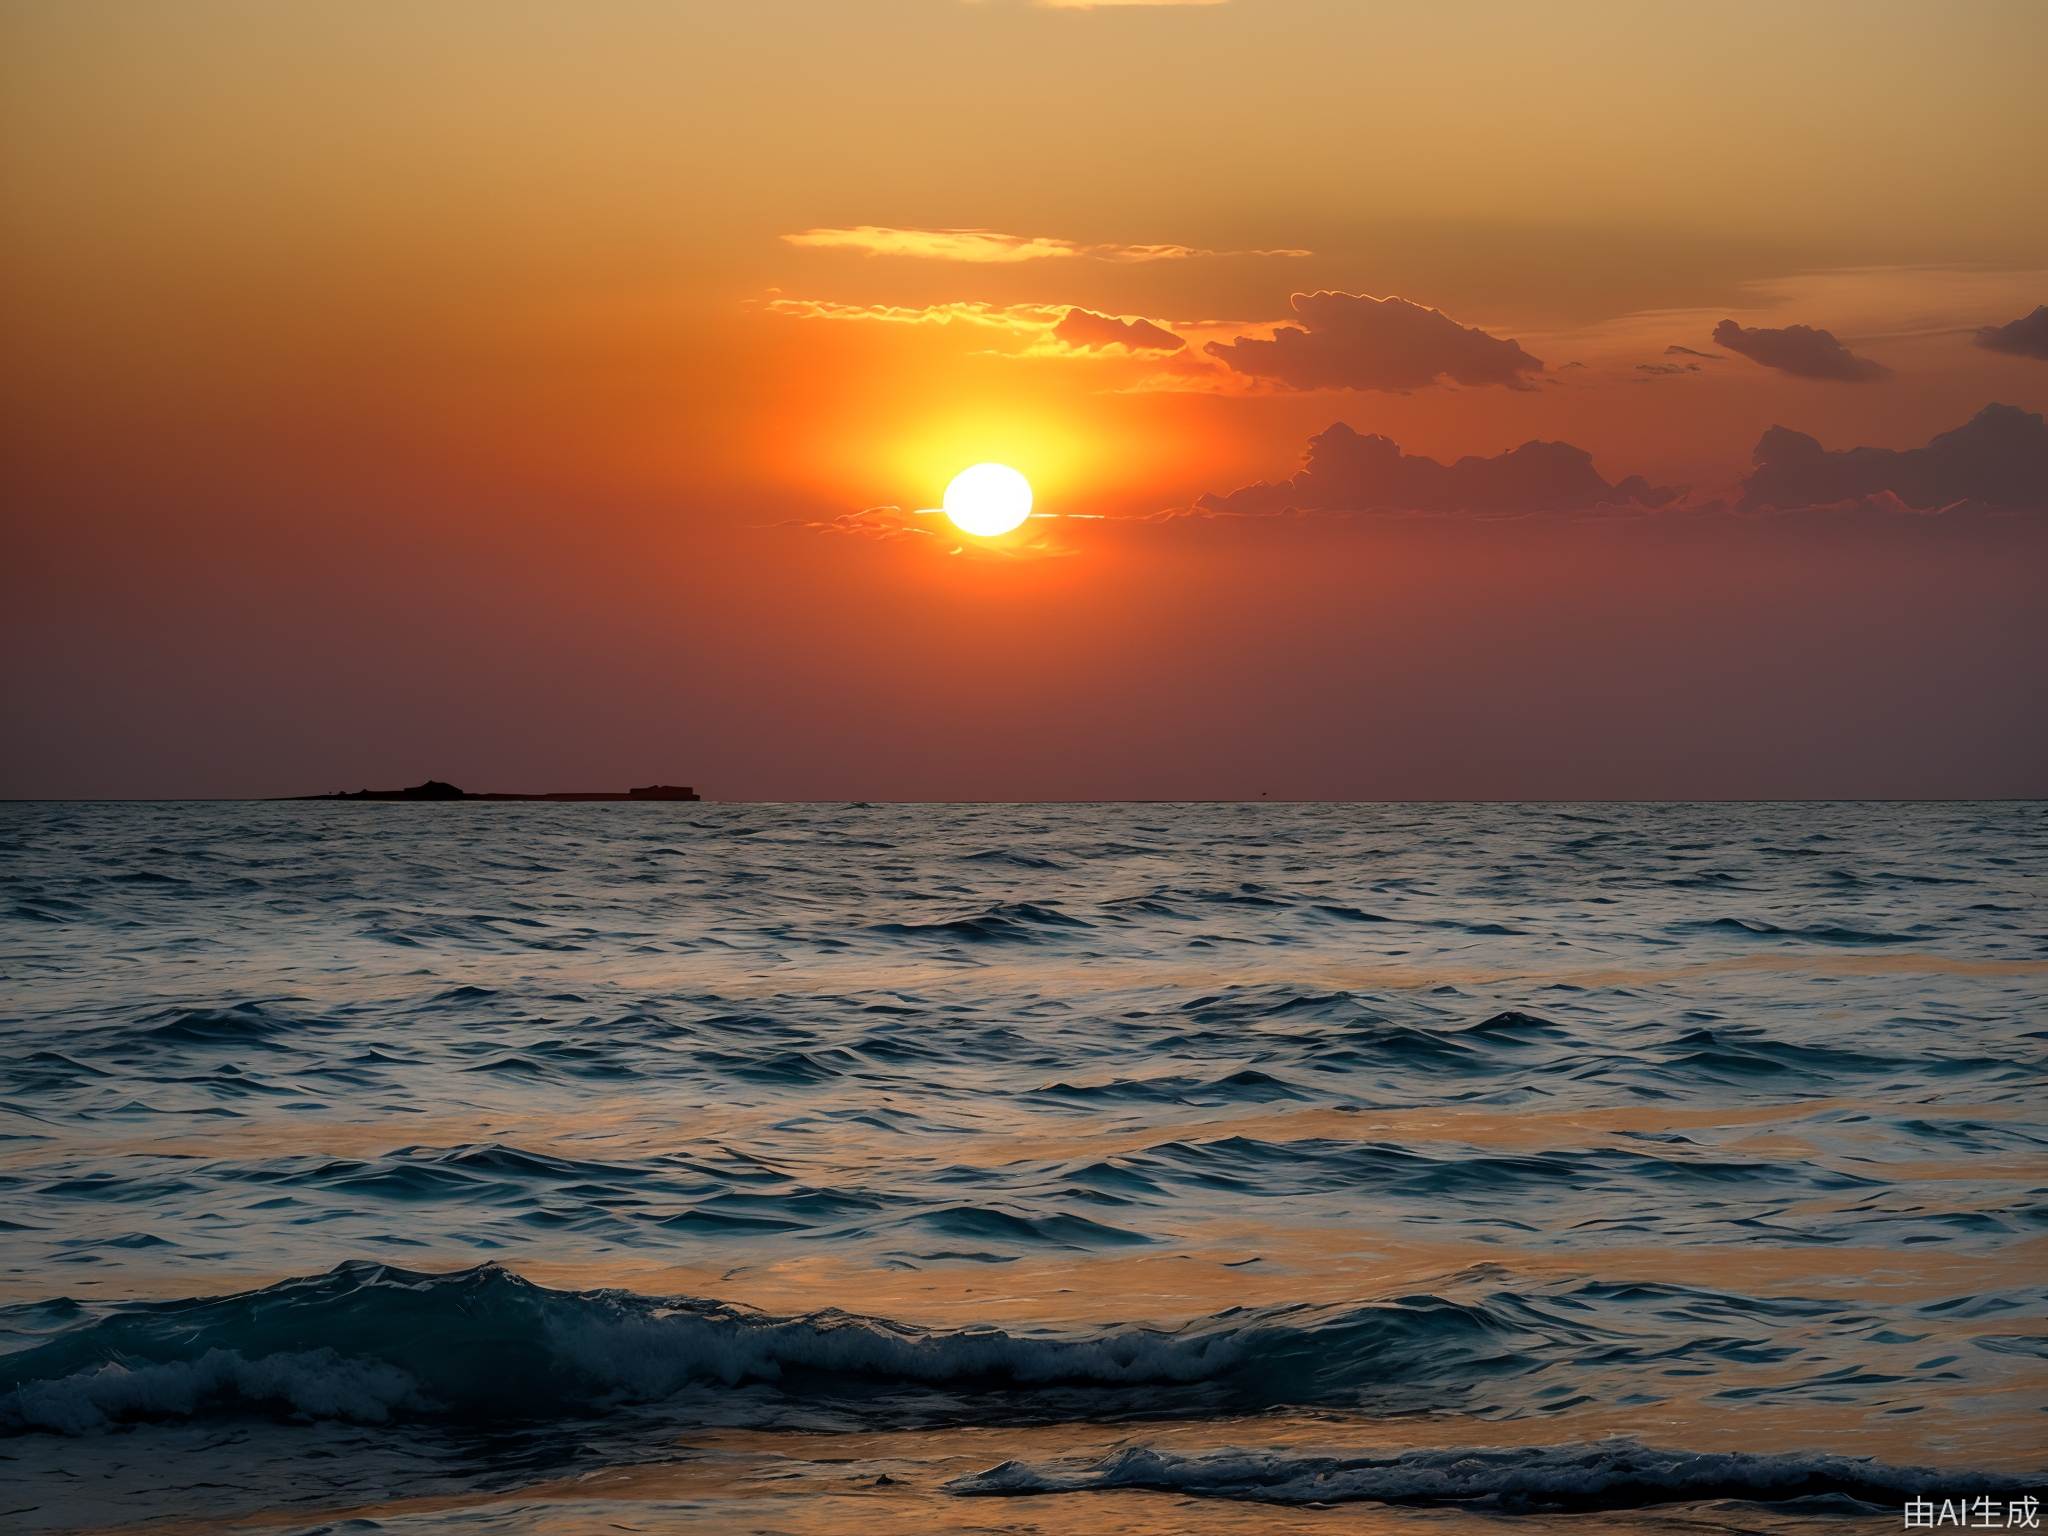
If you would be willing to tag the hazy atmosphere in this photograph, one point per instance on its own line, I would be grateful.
(555, 397)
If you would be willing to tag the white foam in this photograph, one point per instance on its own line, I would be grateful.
(316, 1383)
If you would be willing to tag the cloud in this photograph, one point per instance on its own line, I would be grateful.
(1346, 471)
(1667, 368)
(929, 529)
(1972, 481)
(1021, 318)
(977, 245)
(1800, 350)
(1085, 328)
(1999, 457)
(2024, 337)
(992, 246)
(1352, 341)
(879, 523)
(1053, 330)
(1674, 350)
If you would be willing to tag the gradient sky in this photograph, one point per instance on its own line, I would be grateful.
(547, 397)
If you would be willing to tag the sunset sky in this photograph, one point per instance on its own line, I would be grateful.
(552, 396)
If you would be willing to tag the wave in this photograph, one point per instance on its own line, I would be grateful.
(1255, 1168)
(1060, 1230)
(1819, 933)
(476, 1170)
(369, 1343)
(1607, 1475)
(240, 1026)
(1005, 922)
(1248, 1085)
(1738, 1053)
(1010, 858)
(1515, 1026)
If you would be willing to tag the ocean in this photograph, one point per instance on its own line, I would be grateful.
(1119, 1168)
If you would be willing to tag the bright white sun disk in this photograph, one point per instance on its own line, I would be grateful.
(987, 500)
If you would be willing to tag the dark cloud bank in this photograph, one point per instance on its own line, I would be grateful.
(1999, 458)
(1800, 350)
(1351, 341)
(2024, 337)
(1348, 471)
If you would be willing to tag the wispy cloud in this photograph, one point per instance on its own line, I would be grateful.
(993, 246)
(880, 523)
(1023, 319)
(1054, 330)
(929, 527)
(979, 245)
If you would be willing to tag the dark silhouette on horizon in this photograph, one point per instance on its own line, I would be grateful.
(440, 789)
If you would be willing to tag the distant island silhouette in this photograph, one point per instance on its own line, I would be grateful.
(440, 789)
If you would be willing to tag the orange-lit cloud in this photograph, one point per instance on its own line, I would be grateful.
(1020, 318)
(1190, 373)
(980, 245)
(1085, 328)
(882, 523)
(930, 528)
(1055, 330)
(993, 246)
(1354, 341)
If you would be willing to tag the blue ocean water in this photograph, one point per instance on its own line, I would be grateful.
(1184, 1167)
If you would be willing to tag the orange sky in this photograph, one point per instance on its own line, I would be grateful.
(504, 393)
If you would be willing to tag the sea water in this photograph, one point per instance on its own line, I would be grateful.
(1146, 1168)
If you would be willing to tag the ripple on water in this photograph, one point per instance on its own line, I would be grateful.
(1510, 1116)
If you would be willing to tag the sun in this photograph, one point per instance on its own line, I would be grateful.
(988, 500)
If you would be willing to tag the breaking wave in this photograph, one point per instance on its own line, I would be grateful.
(369, 1343)
(1607, 1475)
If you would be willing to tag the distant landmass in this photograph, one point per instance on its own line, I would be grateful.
(438, 789)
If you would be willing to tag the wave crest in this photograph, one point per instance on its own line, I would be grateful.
(370, 1343)
(1606, 1475)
